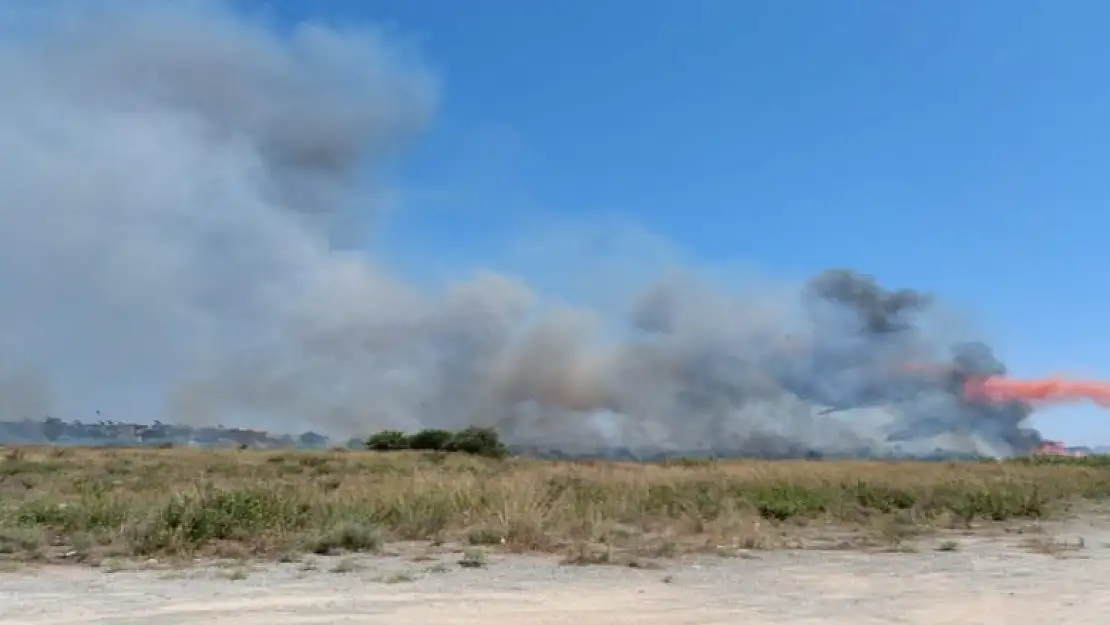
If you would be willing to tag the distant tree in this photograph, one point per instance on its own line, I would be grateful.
(479, 442)
(312, 439)
(472, 440)
(431, 440)
(53, 428)
(387, 440)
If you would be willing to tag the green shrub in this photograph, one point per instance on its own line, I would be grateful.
(479, 442)
(475, 441)
(431, 440)
(388, 440)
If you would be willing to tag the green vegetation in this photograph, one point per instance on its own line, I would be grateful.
(475, 441)
(85, 505)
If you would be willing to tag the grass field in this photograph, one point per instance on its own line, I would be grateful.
(85, 505)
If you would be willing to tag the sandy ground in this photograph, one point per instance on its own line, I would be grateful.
(997, 580)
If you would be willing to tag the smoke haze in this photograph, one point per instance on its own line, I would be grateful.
(170, 179)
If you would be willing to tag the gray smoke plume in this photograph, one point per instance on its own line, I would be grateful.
(169, 182)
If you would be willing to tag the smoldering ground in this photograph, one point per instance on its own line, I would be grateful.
(167, 183)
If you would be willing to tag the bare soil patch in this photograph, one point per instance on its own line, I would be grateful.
(994, 580)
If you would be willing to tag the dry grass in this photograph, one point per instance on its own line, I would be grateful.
(1053, 546)
(85, 505)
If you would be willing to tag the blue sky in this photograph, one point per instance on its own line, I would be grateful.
(958, 147)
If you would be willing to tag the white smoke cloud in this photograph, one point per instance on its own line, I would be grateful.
(170, 182)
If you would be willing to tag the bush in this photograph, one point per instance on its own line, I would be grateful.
(479, 442)
(475, 441)
(387, 440)
(431, 440)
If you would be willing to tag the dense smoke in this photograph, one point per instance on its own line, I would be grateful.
(169, 183)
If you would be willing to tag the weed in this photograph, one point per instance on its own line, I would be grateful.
(484, 536)
(347, 536)
(236, 574)
(1053, 546)
(396, 577)
(346, 565)
(182, 502)
(473, 559)
(585, 554)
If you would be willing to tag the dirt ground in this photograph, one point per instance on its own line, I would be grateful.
(1054, 575)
